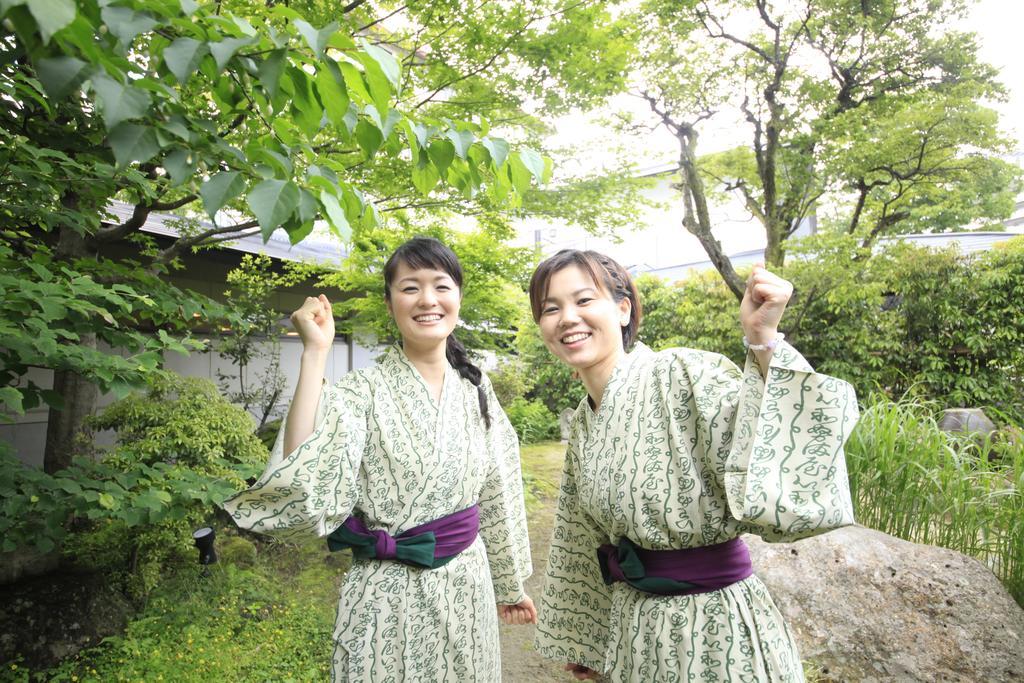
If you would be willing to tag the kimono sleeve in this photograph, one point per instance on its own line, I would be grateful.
(575, 606)
(502, 509)
(314, 489)
(781, 439)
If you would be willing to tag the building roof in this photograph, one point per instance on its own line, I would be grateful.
(968, 243)
(312, 248)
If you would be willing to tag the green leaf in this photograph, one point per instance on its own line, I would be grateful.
(462, 139)
(425, 179)
(182, 57)
(498, 150)
(316, 39)
(51, 15)
(272, 202)
(387, 63)
(132, 142)
(126, 23)
(336, 215)
(354, 82)
(441, 152)
(534, 163)
(270, 71)
(224, 50)
(309, 208)
(380, 87)
(119, 102)
(219, 190)
(369, 137)
(519, 174)
(61, 75)
(189, 7)
(10, 398)
(330, 84)
(179, 166)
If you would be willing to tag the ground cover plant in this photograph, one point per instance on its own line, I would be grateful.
(269, 621)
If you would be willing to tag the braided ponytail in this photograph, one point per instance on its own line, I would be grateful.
(459, 360)
(427, 252)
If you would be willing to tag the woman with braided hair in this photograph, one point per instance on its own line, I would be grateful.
(413, 465)
(672, 456)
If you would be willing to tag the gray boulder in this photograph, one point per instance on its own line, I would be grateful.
(966, 420)
(865, 606)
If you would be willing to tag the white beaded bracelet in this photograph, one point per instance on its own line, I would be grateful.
(770, 346)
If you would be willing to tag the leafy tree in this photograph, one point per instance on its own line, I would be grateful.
(937, 324)
(868, 111)
(261, 116)
(257, 338)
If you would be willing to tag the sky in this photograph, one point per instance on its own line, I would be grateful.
(999, 25)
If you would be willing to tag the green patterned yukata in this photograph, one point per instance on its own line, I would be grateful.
(382, 448)
(686, 451)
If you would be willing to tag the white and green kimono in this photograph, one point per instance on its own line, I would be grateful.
(685, 451)
(384, 450)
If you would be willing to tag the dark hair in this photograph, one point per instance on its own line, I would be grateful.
(604, 271)
(427, 252)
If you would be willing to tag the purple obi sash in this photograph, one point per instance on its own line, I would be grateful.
(429, 545)
(675, 572)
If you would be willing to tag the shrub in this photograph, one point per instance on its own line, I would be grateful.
(511, 380)
(532, 420)
(181, 449)
(935, 323)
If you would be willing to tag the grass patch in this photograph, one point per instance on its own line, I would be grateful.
(914, 481)
(271, 622)
(542, 472)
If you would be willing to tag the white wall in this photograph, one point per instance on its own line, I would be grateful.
(28, 432)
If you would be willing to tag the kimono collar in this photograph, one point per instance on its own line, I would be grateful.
(619, 374)
(395, 357)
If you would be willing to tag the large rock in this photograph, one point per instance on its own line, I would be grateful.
(48, 618)
(865, 606)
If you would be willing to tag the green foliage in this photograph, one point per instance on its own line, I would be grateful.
(181, 450)
(554, 383)
(268, 622)
(700, 314)
(912, 480)
(511, 380)
(938, 324)
(47, 307)
(532, 420)
(184, 421)
(875, 114)
(257, 338)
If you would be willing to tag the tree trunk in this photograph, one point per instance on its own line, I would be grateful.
(79, 395)
(774, 252)
(64, 425)
(696, 217)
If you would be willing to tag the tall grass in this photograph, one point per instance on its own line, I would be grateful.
(914, 481)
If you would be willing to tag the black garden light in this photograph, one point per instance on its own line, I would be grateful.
(203, 539)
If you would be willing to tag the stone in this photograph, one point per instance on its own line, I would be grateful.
(564, 420)
(865, 606)
(48, 618)
(25, 563)
(969, 420)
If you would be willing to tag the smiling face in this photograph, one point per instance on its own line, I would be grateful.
(424, 304)
(580, 322)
